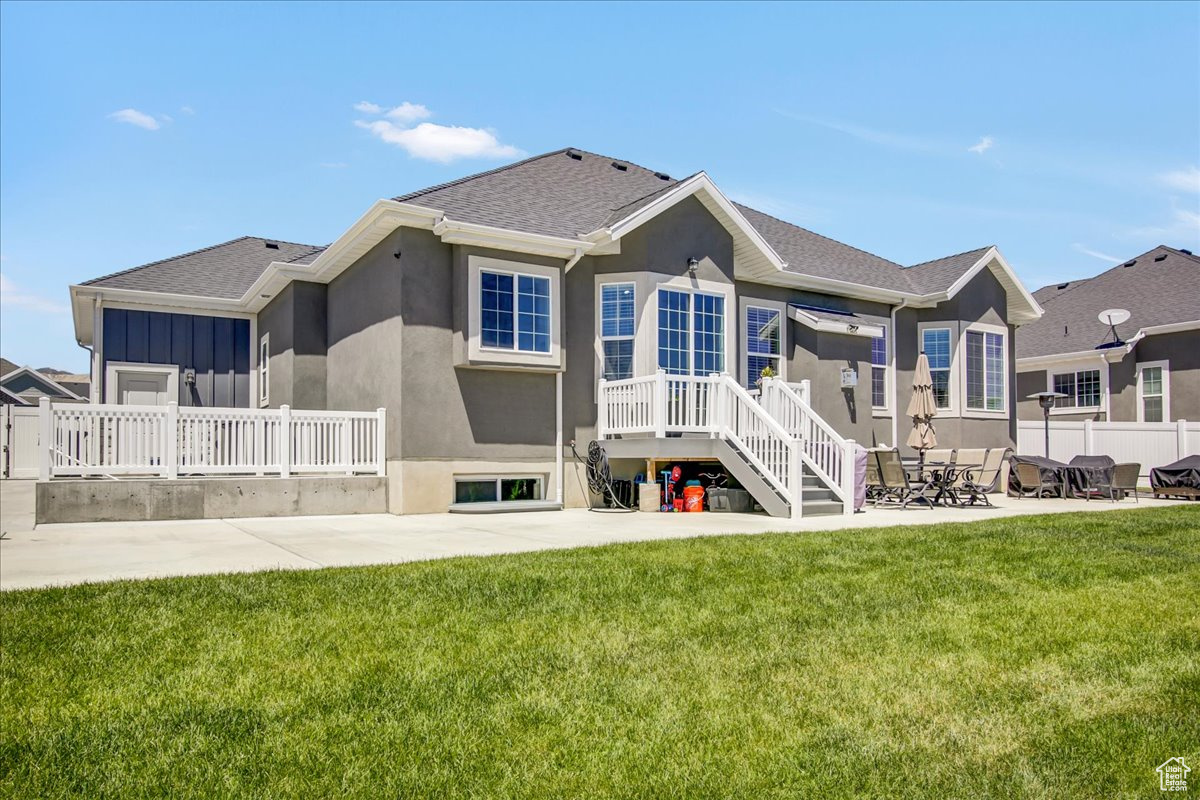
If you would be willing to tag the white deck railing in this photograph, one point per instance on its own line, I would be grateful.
(81, 440)
(824, 451)
(716, 405)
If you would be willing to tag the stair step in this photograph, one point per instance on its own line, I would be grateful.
(818, 495)
(821, 508)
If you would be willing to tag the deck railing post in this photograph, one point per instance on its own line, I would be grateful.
(660, 404)
(381, 443)
(345, 446)
(260, 444)
(285, 441)
(795, 479)
(45, 438)
(170, 449)
(602, 409)
(716, 383)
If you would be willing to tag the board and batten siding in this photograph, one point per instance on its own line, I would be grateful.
(217, 348)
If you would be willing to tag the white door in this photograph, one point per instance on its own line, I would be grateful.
(20, 441)
(141, 389)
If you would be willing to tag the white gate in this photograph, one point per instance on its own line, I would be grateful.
(20, 440)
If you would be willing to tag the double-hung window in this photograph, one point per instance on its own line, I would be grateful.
(1082, 389)
(936, 344)
(691, 332)
(1153, 391)
(985, 371)
(617, 328)
(879, 362)
(514, 312)
(764, 346)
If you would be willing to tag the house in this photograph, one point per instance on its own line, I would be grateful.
(566, 297)
(1145, 368)
(26, 386)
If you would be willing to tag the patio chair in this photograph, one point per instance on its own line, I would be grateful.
(1124, 479)
(874, 485)
(893, 480)
(1030, 475)
(978, 486)
(969, 455)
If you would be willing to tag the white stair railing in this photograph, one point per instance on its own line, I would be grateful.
(824, 451)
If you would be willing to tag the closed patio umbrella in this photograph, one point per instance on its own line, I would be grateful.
(922, 408)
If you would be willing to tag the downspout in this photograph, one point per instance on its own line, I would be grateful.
(94, 351)
(895, 388)
(560, 472)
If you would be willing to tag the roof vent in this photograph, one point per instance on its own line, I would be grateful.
(620, 166)
(1163, 257)
(575, 155)
(1129, 263)
(662, 176)
(1189, 252)
(271, 245)
(1062, 286)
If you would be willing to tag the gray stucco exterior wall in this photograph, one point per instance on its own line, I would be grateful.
(296, 322)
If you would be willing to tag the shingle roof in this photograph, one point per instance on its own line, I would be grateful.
(941, 273)
(224, 270)
(1160, 287)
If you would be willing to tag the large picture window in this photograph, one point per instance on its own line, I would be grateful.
(514, 312)
(879, 361)
(985, 371)
(691, 332)
(936, 344)
(1082, 389)
(764, 347)
(617, 328)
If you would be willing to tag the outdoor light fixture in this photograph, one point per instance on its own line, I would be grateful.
(1046, 401)
(692, 264)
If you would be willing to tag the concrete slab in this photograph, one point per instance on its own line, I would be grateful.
(56, 554)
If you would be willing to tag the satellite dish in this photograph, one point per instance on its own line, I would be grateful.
(1113, 316)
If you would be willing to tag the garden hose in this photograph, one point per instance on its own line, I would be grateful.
(599, 476)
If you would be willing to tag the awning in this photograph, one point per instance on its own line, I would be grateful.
(829, 320)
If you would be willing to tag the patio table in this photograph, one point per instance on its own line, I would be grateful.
(943, 475)
(1084, 472)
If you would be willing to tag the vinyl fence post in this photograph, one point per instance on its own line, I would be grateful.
(285, 441)
(1181, 438)
(170, 448)
(260, 444)
(45, 438)
(1089, 438)
(347, 458)
(381, 443)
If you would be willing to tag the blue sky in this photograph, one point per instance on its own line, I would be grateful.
(1069, 135)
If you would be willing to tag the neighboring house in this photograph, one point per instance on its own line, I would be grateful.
(483, 314)
(26, 386)
(1149, 372)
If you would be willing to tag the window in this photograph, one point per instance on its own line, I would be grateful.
(515, 312)
(764, 345)
(617, 329)
(493, 490)
(985, 371)
(935, 343)
(264, 370)
(691, 332)
(1153, 389)
(879, 362)
(1082, 389)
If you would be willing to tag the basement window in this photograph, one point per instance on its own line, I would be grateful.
(497, 489)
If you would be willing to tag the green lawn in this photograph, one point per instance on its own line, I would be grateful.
(1054, 656)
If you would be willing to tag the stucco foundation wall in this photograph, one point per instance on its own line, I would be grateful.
(208, 498)
(427, 486)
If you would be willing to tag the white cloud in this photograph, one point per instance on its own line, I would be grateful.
(12, 296)
(983, 146)
(1096, 254)
(1185, 180)
(409, 112)
(134, 117)
(367, 107)
(1184, 223)
(895, 141)
(441, 143)
(187, 110)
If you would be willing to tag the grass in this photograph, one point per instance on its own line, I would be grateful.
(1054, 656)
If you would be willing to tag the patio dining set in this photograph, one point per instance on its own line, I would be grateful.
(953, 478)
(1083, 477)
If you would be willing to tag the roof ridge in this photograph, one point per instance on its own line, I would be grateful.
(190, 253)
(1075, 284)
(1177, 251)
(315, 248)
(457, 181)
(953, 255)
(819, 235)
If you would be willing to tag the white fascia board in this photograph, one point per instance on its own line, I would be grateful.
(1080, 357)
(700, 182)
(1033, 310)
(1111, 354)
(864, 329)
(455, 232)
(46, 379)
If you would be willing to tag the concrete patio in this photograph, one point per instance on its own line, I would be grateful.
(62, 554)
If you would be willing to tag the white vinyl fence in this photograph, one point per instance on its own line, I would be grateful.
(19, 428)
(1151, 444)
(80, 440)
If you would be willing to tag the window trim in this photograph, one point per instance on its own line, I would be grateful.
(885, 409)
(985, 328)
(1051, 374)
(113, 369)
(1165, 365)
(762, 305)
(953, 391)
(264, 370)
(540, 478)
(601, 338)
(476, 353)
(692, 291)
(516, 325)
